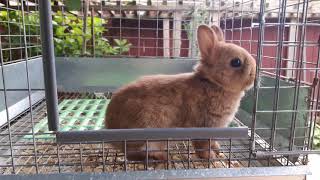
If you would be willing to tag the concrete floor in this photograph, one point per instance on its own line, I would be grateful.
(314, 166)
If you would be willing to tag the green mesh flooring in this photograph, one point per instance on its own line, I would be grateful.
(78, 115)
(75, 115)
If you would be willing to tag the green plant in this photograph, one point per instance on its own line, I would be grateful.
(69, 37)
(122, 46)
(67, 31)
(12, 23)
(316, 140)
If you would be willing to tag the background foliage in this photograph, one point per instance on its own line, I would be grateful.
(68, 36)
(316, 141)
(12, 31)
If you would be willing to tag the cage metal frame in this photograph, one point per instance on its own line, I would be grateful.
(52, 100)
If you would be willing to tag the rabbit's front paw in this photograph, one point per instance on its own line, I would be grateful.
(215, 146)
(204, 152)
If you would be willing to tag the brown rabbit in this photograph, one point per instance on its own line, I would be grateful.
(208, 97)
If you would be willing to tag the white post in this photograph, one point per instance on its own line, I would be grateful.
(215, 19)
(177, 33)
(166, 37)
(292, 49)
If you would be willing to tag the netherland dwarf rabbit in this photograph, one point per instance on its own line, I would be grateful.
(208, 97)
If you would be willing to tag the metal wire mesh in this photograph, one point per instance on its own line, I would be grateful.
(281, 112)
(101, 156)
(20, 31)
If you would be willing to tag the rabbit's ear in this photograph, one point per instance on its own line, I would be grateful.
(218, 32)
(207, 39)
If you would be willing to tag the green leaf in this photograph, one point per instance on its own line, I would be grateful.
(77, 52)
(60, 31)
(316, 140)
(54, 23)
(3, 14)
(58, 17)
(76, 31)
(117, 41)
(79, 39)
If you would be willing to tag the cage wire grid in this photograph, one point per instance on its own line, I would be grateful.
(282, 35)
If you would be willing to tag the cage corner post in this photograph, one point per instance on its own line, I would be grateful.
(48, 60)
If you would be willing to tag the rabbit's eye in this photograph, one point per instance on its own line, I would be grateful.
(236, 62)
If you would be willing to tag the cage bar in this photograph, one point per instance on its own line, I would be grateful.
(49, 64)
(154, 133)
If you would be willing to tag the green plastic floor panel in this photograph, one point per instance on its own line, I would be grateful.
(75, 115)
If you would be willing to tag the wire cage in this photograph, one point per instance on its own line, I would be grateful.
(61, 62)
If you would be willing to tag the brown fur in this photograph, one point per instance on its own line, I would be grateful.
(208, 97)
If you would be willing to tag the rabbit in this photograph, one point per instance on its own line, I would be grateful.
(207, 97)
